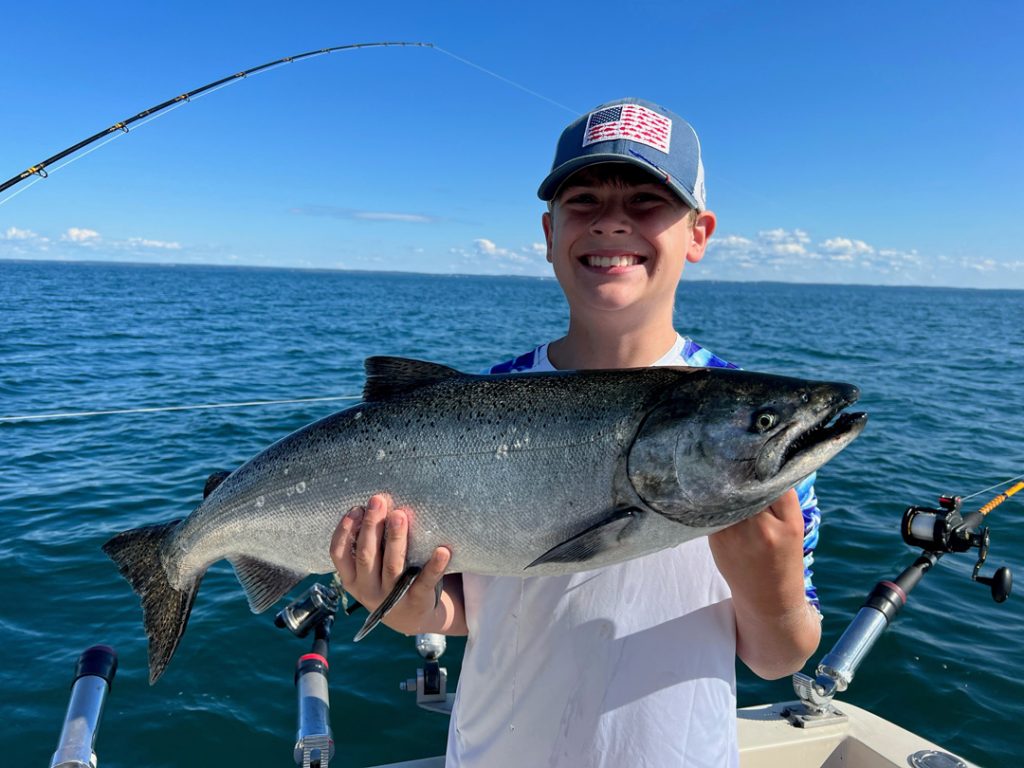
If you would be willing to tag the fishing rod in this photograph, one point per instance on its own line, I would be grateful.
(938, 531)
(313, 611)
(94, 675)
(39, 169)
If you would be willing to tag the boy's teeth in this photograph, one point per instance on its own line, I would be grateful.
(612, 261)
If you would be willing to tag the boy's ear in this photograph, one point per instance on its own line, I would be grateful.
(703, 228)
(545, 222)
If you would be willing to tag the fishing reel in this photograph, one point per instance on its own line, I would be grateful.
(944, 529)
(310, 610)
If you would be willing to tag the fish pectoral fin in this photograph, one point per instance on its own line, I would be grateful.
(397, 593)
(602, 537)
(388, 377)
(264, 583)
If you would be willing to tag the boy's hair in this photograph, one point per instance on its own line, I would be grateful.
(618, 175)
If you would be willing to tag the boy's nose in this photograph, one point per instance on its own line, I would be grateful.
(610, 220)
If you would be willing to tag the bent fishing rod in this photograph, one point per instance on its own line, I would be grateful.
(39, 169)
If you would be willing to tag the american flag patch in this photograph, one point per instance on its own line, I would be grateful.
(629, 121)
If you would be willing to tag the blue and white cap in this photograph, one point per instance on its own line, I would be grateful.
(637, 132)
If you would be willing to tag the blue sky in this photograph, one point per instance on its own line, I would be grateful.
(876, 142)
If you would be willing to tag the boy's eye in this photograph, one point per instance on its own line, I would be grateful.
(648, 197)
(581, 198)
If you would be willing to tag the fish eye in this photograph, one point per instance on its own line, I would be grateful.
(765, 420)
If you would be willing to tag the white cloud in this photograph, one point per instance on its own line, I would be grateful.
(485, 256)
(13, 233)
(21, 243)
(733, 241)
(390, 216)
(777, 247)
(141, 242)
(982, 265)
(74, 242)
(783, 236)
(772, 235)
(81, 235)
(845, 245)
(788, 249)
(336, 212)
(485, 247)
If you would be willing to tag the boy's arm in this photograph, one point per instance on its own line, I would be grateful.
(368, 550)
(761, 559)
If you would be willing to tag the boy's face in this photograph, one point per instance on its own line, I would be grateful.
(618, 239)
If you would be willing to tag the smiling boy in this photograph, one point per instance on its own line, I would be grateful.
(632, 664)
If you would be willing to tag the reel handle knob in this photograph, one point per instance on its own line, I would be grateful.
(1000, 582)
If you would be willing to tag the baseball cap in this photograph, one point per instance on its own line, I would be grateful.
(637, 132)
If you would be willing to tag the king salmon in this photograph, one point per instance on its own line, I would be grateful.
(526, 474)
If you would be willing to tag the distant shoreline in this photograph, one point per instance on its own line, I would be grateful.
(462, 275)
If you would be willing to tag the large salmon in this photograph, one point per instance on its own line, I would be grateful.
(518, 474)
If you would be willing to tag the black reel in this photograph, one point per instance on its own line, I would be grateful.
(312, 608)
(944, 530)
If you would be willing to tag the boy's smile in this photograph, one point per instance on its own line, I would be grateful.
(611, 262)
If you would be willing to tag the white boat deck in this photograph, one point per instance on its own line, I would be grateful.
(863, 740)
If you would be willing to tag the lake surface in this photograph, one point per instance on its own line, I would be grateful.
(941, 372)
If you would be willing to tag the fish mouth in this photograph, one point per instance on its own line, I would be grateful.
(803, 447)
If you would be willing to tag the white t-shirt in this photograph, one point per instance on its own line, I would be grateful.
(632, 665)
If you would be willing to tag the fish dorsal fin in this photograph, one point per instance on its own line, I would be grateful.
(388, 377)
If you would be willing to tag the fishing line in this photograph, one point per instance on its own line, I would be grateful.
(993, 487)
(78, 156)
(513, 83)
(159, 409)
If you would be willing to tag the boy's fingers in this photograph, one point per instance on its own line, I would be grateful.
(396, 540)
(343, 542)
(431, 574)
(787, 506)
(368, 543)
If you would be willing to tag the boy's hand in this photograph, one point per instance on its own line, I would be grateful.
(369, 548)
(761, 559)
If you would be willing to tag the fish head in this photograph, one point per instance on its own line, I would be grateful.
(722, 446)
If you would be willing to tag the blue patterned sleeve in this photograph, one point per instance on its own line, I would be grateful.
(812, 519)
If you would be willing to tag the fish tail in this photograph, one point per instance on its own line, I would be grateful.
(165, 609)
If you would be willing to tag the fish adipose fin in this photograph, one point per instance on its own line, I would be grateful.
(401, 587)
(602, 537)
(165, 609)
(388, 377)
(264, 583)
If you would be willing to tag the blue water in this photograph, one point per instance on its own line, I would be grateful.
(942, 375)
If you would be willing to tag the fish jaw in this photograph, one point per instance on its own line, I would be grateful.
(812, 438)
(713, 455)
